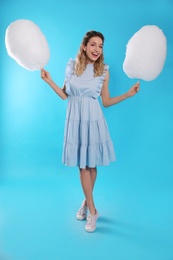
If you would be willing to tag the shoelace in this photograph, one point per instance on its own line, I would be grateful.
(91, 220)
(82, 210)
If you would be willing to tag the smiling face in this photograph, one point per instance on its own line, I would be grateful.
(93, 49)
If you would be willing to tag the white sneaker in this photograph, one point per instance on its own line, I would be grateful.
(91, 222)
(82, 212)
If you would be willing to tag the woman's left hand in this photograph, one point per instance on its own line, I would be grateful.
(134, 89)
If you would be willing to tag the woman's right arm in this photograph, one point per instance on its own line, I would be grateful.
(47, 78)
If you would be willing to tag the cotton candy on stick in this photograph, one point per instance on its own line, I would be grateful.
(145, 53)
(27, 45)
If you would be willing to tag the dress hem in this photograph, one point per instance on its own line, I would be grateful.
(89, 166)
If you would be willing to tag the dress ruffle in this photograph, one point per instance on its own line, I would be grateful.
(87, 143)
(101, 78)
(68, 73)
(86, 137)
(88, 155)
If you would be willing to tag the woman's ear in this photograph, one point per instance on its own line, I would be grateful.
(83, 47)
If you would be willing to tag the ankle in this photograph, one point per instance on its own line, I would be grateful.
(93, 212)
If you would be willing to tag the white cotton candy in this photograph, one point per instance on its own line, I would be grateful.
(27, 45)
(145, 53)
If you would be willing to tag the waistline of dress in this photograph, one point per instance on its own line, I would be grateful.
(82, 97)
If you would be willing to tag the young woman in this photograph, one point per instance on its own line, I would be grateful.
(87, 141)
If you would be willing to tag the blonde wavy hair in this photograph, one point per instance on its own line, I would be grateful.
(81, 58)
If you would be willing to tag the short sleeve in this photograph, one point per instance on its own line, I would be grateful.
(102, 77)
(69, 69)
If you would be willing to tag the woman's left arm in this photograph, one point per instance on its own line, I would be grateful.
(109, 101)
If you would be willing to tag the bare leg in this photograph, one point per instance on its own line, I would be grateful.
(87, 181)
(93, 172)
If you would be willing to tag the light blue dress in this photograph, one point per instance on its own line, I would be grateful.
(86, 137)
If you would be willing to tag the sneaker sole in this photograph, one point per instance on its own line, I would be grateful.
(80, 218)
(90, 230)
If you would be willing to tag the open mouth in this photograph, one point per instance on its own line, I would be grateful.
(95, 54)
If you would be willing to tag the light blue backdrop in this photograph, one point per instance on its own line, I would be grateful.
(32, 116)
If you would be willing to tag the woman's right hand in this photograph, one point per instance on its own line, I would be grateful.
(45, 75)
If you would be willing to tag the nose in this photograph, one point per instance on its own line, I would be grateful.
(96, 48)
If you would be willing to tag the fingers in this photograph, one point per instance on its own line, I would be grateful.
(43, 73)
(137, 89)
(137, 86)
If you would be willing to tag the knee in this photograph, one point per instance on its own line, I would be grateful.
(84, 171)
(93, 170)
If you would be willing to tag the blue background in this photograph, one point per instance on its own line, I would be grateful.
(38, 195)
